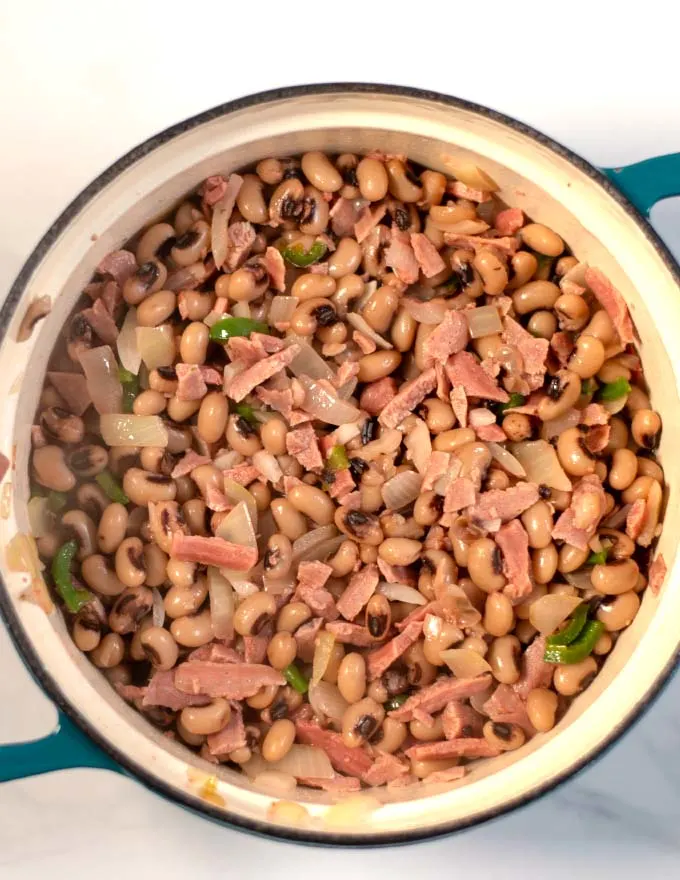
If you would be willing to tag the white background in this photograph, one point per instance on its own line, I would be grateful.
(83, 82)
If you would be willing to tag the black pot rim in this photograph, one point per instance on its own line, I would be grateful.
(23, 644)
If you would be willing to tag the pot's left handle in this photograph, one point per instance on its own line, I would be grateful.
(648, 182)
(63, 748)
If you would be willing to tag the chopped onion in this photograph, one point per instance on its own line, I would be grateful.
(548, 612)
(128, 353)
(401, 593)
(364, 327)
(554, 427)
(386, 444)
(481, 417)
(431, 311)
(483, 321)
(506, 459)
(324, 550)
(267, 465)
(156, 345)
(281, 309)
(227, 459)
(276, 783)
(240, 310)
(308, 363)
(101, 373)
(576, 275)
(401, 490)
(236, 493)
(326, 699)
(158, 608)
(345, 433)
(470, 174)
(300, 761)
(222, 604)
(370, 288)
(347, 390)
(39, 516)
(131, 430)
(579, 579)
(231, 371)
(464, 662)
(541, 464)
(238, 528)
(468, 227)
(186, 278)
(323, 651)
(477, 700)
(419, 445)
(311, 540)
(326, 406)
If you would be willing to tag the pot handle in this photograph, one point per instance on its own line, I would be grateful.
(64, 747)
(648, 182)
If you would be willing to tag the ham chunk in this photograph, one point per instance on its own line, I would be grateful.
(657, 574)
(213, 551)
(366, 344)
(121, 265)
(353, 762)
(366, 222)
(188, 462)
(450, 337)
(410, 395)
(396, 574)
(240, 239)
(509, 222)
(562, 343)
(612, 302)
(400, 257)
(241, 385)
(243, 474)
(536, 673)
(459, 404)
(386, 768)
(99, 318)
(344, 215)
(463, 369)
(359, 590)
(302, 444)
(314, 574)
(213, 189)
(533, 352)
(428, 257)
(450, 775)
(504, 504)
(191, 385)
(376, 396)
(578, 523)
(505, 706)
(279, 400)
(514, 544)
(491, 432)
(506, 245)
(382, 658)
(437, 466)
(342, 484)
(350, 634)
(311, 590)
(276, 269)
(459, 719)
(231, 737)
(635, 519)
(337, 784)
(162, 691)
(305, 637)
(434, 697)
(594, 414)
(459, 494)
(235, 681)
(466, 747)
(462, 191)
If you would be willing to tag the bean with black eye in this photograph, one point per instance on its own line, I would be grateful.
(51, 469)
(563, 390)
(253, 613)
(289, 521)
(645, 428)
(61, 424)
(503, 657)
(378, 616)
(148, 278)
(159, 647)
(618, 612)
(129, 562)
(573, 313)
(194, 630)
(615, 577)
(88, 626)
(278, 556)
(543, 324)
(142, 487)
(484, 563)
(571, 679)
(502, 736)
(129, 609)
(361, 722)
(573, 454)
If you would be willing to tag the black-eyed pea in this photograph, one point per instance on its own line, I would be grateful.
(419, 670)
(538, 522)
(499, 616)
(320, 172)
(312, 502)
(195, 304)
(180, 602)
(573, 678)
(149, 403)
(193, 630)
(351, 677)
(361, 721)
(604, 644)
(428, 508)
(618, 435)
(542, 239)
(311, 286)
(193, 346)
(99, 577)
(278, 556)
(485, 565)
(148, 278)
(399, 551)
(372, 179)
(51, 470)
(403, 330)
(109, 652)
(570, 558)
(564, 389)
(241, 436)
(378, 364)
(253, 613)
(152, 241)
(645, 428)
(380, 309)
(492, 270)
(337, 654)
(615, 577)
(273, 436)
(345, 559)
(156, 309)
(647, 467)
(439, 415)
(522, 611)
(401, 183)
(451, 441)
(180, 573)
(542, 709)
(345, 259)
(502, 736)
(159, 647)
(573, 314)
(612, 370)
(543, 324)
(155, 561)
(289, 520)
(250, 200)
(129, 609)
(573, 454)
(393, 735)
(281, 650)
(378, 616)
(639, 488)
(434, 187)
(525, 632)
(535, 295)
(270, 171)
(204, 720)
(88, 625)
(422, 768)
(637, 399)
(623, 469)
(129, 562)
(425, 733)
(278, 740)
(142, 487)
(212, 416)
(292, 616)
(588, 357)
(524, 266)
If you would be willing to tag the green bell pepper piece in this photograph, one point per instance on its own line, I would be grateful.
(56, 501)
(515, 400)
(228, 327)
(112, 487)
(73, 597)
(579, 649)
(245, 411)
(130, 383)
(295, 678)
(338, 460)
(295, 254)
(395, 702)
(572, 630)
(614, 390)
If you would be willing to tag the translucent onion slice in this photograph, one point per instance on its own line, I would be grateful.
(483, 321)
(308, 363)
(323, 651)
(156, 345)
(326, 405)
(236, 493)
(554, 427)
(579, 579)
(419, 445)
(227, 459)
(267, 465)
(539, 460)
(345, 433)
(238, 528)
(364, 327)
(401, 490)
(39, 517)
(282, 308)
(158, 607)
(101, 374)
(300, 761)
(464, 662)
(126, 344)
(311, 540)
(548, 612)
(131, 430)
(276, 783)
(470, 174)
(240, 310)
(222, 604)
(401, 593)
(506, 459)
(327, 700)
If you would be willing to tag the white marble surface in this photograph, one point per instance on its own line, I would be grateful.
(82, 82)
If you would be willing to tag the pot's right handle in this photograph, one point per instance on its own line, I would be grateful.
(648, 182)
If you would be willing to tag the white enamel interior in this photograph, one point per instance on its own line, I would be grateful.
(549, 189)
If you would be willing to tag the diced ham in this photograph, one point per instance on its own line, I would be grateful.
(366, 222)
(231, 737)
(596, 438)
(235, 681)
(462, 191)
(533, 351)
(635, 519)
(437, 466)
(319, 600)
(191, 384)
(350, 633)
(314, 574)
(450, 775)
(352, 501)
(395, 574)
(375, 397)
(303, 445)
(443, 384)
(657, 574)
(459, 404)
(424, 311)
(240, 240)
(514, 544)
(188, 462)
(386, 768)
(353, 762)
(504, 504)
(161, 691)
(506, 245)
(410, 395)
(578, 523)
(435, 696)
(337, 784)
(382, 658)
(213, 189)
(276, 269)
(463, 369)
(216, 500)
(466, 747)
(509, 221)
(362, 584)
(242, 384)
(366, 344)
(612, 302)
(130, 692)
(459, 494)
(243, 474)
(281, 401)
(216, 652)
(400, 257)
(343, 215)
(72, 388)
(319, 268)
(563, 345)
(449, 337)
(346, 371)
(305, 637)
(536, 673)
(491, 433)
(121, 265)
(505, 706)
(239, 348)
(297, 417)
(267, 343)
(255, 647)
(459, 719)
(428, 257)
(594, 414)
(213, 551)
(343, 483)
(99, 318)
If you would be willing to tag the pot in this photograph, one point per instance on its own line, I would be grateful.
(601, 214)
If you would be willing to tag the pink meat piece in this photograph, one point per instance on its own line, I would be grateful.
(352, 501)
(459, 404)
(281, 401)
(161, 691)
(395, 574)
(303, 445)
(319, 600)
(563, 345)
(267, 343)
(443, 384)
(506, 245)
(38, 439)
(121, 265)
(72, 388)
(382, 658)
(573, 527)
(366, 345)
(343, 215)
(481, 417)
(235, 681)
(423, 312)
(336, 784)
(241, 349)
(213, 551)
(343, 483)
(216, 500)
(346, 371)
(514, 545)
(505, 706)
(509, 222)
(319, 268)
(240, 240)
(305, 638)
(536, 673)
(437, 466)
(462, 191)
(450, 775)
(276, 269)
(386, 768)
(410, 395)
(243, 474)
(635, 518)
(460, 493)
(191, 384)
(242, 384)
(467, 747)
(362, 584)
(99, 318)
(231, 737)
(298, 417)
(130, 692)
(594, 414)
(376, 396)
(314, 574)
(216, 652)
(255, 647)
(366, 222)
(428, 257)
(350, 634)
(210, 375)
(353, 762)
(435, 696)
(596, 438)
(504, 504)
(450, 337)
(612, 302)
(400, 257)
(463, 369)
(459, 719)
(188, 462)
(657, 574)
(213, 189)
(491, 433)
(533, 351)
